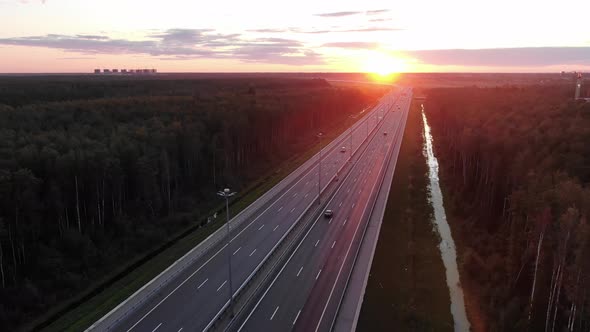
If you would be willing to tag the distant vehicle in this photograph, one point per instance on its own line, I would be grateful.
(343, 149)
(384, 133)
(328, 213)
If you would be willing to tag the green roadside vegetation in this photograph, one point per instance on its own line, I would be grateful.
(406, 290)
(93, 305)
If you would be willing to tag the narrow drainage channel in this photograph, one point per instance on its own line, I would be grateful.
(447, 245)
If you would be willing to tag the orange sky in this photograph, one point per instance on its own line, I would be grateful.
(262, 35)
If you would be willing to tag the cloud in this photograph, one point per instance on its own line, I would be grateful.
(370, 45)
(77, 58)
(380, 19)
(505, 57)
(338, 14)
(269, 30)
(322, 31)
(377, 12)
(181, 44)
(352, 13)
(371, 29)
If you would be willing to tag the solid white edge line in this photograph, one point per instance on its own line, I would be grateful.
(157, 327)
(293, 253)
(344, 260)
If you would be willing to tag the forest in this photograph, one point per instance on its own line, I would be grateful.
(97, 170)
(515, 171)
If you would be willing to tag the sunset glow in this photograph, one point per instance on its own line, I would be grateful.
(383, 65)
(305, 36)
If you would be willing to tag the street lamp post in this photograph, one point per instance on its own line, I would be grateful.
(350, 152)
(320, 169)
(227, 194)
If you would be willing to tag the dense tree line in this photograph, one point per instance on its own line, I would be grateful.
(515, 166)
(94, 172)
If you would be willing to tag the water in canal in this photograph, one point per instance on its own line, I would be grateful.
(447, 245)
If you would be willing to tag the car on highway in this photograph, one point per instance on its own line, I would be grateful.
(343, 149)
(384, 133)
(328, 213)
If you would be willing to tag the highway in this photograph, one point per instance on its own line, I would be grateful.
(306, 293)
(196, 297)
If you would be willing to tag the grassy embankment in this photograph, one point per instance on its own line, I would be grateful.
(95, 305)
(407, 288)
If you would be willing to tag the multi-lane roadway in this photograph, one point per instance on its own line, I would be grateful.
(306, 293)
(194, 298)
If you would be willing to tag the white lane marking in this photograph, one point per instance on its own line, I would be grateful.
(345, 220)
(180, 329)
(330, 221)
(261, 227)
(359, 191)
(204, 282)
(298, 273)
(252, 253)
(280, 209)
(175, 289)
(333, 244)
(274, 312)
(353, 204)
(348, 191)
(316, 244)
(157, 327)
(293, 209)
(306, 183)
(284, 265)
(295, 320)
(306, 195)
(218, 288)
(235, 252)
(316, 277)
(344, 260)
(274, 229)
(339, 205)
(295, 195)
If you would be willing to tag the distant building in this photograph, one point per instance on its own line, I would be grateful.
(123, 71)
(154, 71)
(115, 71)
(97, 71)
(106, 71)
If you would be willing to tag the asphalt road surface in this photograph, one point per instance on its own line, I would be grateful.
(195, 297)
(306, 294)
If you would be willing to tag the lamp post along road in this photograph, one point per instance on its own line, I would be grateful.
(227, 194)
(320, 168)
(350, 147)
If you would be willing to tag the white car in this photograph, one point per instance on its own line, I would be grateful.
(328, 213)
(343, 149)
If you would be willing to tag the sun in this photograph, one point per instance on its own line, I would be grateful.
(382, 65)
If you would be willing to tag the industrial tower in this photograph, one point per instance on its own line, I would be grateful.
(578, 86)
